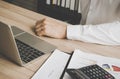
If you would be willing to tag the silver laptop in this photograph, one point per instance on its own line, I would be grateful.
(20, 46)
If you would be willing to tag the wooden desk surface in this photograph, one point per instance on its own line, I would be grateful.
(25, 20)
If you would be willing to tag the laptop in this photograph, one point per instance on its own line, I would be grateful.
(20, 46)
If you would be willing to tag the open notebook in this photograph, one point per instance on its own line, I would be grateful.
(57, 64)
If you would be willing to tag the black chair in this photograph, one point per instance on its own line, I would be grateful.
(58, 12)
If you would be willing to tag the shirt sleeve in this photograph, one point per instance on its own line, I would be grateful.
(106, 34)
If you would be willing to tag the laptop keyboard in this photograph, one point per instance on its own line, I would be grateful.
(27, 53)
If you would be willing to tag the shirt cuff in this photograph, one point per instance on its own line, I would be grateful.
(74, 32)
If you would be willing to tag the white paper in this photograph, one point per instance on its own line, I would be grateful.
(81, 59)
(53, 67)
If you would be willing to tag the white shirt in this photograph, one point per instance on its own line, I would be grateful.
(102, 23)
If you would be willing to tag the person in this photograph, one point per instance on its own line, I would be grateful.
(100, 24)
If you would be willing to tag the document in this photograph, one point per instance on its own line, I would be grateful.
(81, 59)
(53, 67)
(56, 65)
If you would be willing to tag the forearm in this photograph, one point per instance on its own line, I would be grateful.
(107, 34)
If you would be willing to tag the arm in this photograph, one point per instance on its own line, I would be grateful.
(107, 34)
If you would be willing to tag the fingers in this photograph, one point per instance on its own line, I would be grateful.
(39, 23)
(43, 27)
(40, 28)
(40, 33)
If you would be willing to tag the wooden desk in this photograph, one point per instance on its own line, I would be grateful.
(25, 20)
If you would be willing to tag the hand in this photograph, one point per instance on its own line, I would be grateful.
(50, 28)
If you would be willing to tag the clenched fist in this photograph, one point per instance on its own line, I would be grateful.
(50, 28)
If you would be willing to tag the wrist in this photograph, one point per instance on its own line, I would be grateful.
(65, 31)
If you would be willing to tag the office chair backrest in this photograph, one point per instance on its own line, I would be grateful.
(65, 10)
